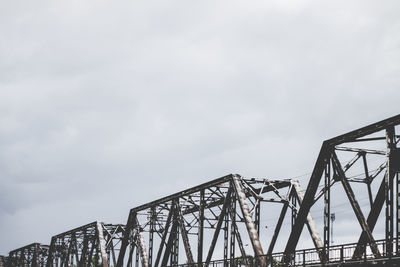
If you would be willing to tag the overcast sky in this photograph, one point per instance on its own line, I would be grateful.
(105, 105)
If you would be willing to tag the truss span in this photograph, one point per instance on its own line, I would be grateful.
(222, 222)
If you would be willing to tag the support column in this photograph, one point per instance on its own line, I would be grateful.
(257, 216)
(151, 233)
(226, 236)
(102, 244)
(164, 236)
(219, 225)
(200, 239)
(312, 228)
(125, 241)
(294, 212)
(233, 234)
(171, 239)
(327, 210)
(250, 225)
(142, 249)
(389, 191)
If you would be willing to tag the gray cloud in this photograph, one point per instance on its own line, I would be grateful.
(106, 106)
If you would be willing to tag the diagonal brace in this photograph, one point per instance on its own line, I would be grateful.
(354, 204)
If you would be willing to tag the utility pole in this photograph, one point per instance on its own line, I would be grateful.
(332, 220)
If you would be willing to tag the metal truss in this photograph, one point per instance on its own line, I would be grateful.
(94, 244)
(218, 223)
(34, 255)
(3, 261)
(215, 217)
(375, 157)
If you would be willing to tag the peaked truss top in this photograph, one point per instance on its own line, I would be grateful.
(328, 163)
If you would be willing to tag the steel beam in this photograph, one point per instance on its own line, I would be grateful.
(312, 228)
(278, 228)
(250, 225)
(371, 220)
(218, 227)
(354, 204)
(307, 201)
(389, 191)
(171, 240)
(185, 237)
(200, 240)
(164, 236)
(326, 149)
(142, 249)
(102, 244)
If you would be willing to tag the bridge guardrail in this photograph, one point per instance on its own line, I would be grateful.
(305, 257)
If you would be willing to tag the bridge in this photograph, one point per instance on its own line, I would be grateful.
(220, 223)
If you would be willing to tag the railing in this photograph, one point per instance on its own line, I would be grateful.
(306, 257)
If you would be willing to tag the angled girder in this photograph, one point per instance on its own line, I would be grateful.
(250, 225)
(324, 157)
(376, 209)
(354, 204)
(221, 217)
(312, 228)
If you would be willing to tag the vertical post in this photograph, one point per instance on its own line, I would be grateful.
(394, 165)
(151, 234)
(341, 253)
(176, 247)
(294, 212)
(327, 209)
(36, 261)
(200, 229)
(257, 217)
(50, 257)
(175, 236)
(137, 257)
(221, 218)
(233, 234)
(102, 244)
(84, 251)
(125, 241)
(397, 213)
(226, 235)
(170, 244)
(391, 143)
(131, 248)
(367, 178)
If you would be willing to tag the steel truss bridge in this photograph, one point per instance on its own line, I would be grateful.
(219, 223)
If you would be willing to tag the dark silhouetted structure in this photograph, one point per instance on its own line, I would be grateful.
(218, 223)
